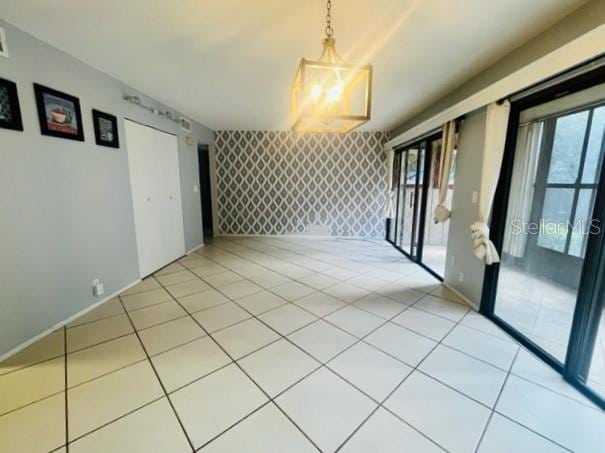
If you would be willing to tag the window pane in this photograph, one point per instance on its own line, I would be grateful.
(400, 198)
(418, 199)
(567, 148)
(434, 248)
(394, 185)
(409, 195)
(539, 277)
(581, 224)
(594, 154)
(556, 213)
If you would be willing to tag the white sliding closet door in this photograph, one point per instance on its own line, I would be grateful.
(166, 147)
(156, 196)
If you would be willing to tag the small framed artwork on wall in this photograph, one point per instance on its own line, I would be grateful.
(3, 44)
(106, 129)
(59, 113)
(10, 112)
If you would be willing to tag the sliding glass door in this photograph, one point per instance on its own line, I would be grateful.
(547, 289)
(435, 235)
(416, 171)
(409, 164)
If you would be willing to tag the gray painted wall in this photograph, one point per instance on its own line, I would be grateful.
(66, 213)
(460, 256)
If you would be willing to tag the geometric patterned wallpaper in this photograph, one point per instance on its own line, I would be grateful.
(278, 182)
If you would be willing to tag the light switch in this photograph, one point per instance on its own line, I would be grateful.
(196, 188)
(475, 197)
(97, 288)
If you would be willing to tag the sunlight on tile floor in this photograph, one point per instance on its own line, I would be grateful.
(288, 345)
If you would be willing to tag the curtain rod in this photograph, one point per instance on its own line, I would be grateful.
(582, 68)
(165, 113)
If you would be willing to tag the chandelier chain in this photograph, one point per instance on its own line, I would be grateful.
(329, 29)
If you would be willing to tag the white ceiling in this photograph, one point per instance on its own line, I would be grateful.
(229, 64)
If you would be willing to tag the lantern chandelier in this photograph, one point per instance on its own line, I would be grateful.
(329, 95)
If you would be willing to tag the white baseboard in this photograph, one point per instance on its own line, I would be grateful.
(465, 299)
(197, 247)
(46, 332)
(295, 236)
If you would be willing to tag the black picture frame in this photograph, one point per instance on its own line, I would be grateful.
(104, 137)
(10, 111)
(59, 113)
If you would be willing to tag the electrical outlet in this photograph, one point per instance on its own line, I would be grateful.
(97, 288)
(460, 277)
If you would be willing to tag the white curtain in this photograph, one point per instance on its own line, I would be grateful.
(448, 142)
(496, 124)
(521, 195)
(389, 206)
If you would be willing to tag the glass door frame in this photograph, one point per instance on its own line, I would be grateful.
(591, 292)
(420, 212)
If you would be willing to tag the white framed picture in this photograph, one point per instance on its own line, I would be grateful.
(3, 44)
(185, 124)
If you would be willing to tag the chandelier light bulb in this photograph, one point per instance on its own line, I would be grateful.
(329, 95)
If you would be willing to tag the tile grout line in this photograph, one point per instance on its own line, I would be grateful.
(414, 369)
(325, 364)
(491, 414)
(130, 412)
(204, 309)
(369, 291)
(340, 281)
(285, 261)
(66, 391)
(447, 385)
(380, 404)
(304, 255)
(469, 310)
(127, 366)
(406, 306)
(318, 318)
(58, 356)
(347, 303)
(157, 376)
(495, 411)
(233, 361)
(419, 308)
(280, 334)
(322, 364)
(389, 320)
(233, 425)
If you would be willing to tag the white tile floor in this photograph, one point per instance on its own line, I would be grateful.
(543, 310)
(288, 345)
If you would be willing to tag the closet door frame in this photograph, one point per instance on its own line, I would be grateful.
(150, 222)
